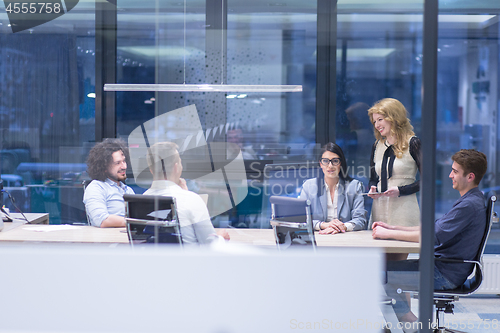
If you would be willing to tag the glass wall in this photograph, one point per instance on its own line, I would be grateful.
(230, 44)
(47, 111)
(378, 56)
(45, 138)
(240, 147)
(467, 89)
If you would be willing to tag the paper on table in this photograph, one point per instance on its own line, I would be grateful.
(46, 228)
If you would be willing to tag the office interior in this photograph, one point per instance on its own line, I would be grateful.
(344, 56)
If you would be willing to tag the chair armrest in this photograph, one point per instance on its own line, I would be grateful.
(295, 225)
(457, 261)
(450, 260)
(172, 223)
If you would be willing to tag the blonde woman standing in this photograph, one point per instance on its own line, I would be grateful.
(394, 162)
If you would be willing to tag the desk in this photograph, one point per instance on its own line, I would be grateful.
(355, 239)
(34, 218)
(17, 232)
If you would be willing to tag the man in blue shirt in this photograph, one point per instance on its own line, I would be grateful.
(103, 197)
(458, 233)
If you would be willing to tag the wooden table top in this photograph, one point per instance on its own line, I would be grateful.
(34, 218)
(363, 238)
(18, 232)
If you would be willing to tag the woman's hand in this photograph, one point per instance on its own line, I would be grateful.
(373, 193)
(328, 231)
(392, 192)
(333, 227)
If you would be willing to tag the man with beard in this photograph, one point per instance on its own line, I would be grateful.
(103, 197)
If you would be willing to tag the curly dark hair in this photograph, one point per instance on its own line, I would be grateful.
(100, 157)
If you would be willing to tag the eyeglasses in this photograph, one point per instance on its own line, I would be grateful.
(325, 161)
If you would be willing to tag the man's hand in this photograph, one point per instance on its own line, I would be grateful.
(113, 221)
(384, 231)
(182, 184)
(381, 233)
(224, 234)
(382, 224)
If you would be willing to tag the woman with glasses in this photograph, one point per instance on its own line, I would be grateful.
(337, 203)
(394, 163)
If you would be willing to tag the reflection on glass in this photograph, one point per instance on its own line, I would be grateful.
(47, 112)
(468, 98)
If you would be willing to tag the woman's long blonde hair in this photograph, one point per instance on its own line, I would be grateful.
(394, 112)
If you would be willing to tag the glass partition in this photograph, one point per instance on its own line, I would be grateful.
(379, 48)
(467, 90)
(240, 147)
(230, 44)
(47, 111)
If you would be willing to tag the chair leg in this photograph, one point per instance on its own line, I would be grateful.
(443, 306)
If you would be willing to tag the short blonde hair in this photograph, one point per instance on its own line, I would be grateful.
(162, 157)
(394, 112)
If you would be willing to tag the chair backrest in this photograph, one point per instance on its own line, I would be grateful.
(473, 283)
(152, 219)
(284, 179)
(291, 220)
(479, 258)
(489, 218)
(86, 183)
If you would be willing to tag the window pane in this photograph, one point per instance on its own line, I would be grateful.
(379, 46)
(47, 112)
(168, 43)
(467, 103)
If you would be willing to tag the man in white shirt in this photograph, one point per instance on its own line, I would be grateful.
(165, 165)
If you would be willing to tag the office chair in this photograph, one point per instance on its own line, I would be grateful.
(284, 179)
(152, 219)
(292, 222)
(86, 183)
(443, 299)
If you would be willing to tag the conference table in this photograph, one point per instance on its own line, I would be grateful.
(61, 233)
(355, 239)
(19, 219)
(19, 232)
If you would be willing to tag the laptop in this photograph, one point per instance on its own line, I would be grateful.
(152, 219)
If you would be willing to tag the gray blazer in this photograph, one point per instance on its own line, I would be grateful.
(350, 202)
